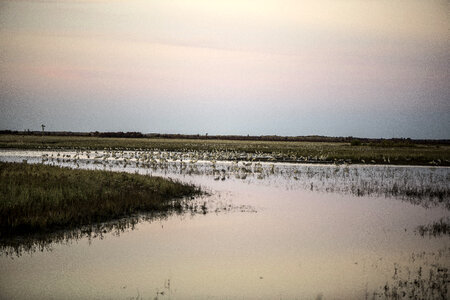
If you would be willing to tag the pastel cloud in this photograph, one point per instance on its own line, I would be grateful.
(390, 57)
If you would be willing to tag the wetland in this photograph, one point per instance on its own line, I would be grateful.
(260, 230)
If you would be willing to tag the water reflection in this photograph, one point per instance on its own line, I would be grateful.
(15, 246)
(314, 234)
(40, 242)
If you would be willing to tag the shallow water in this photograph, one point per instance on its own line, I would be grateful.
(272, 231)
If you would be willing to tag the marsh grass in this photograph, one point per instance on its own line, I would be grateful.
(43, 198)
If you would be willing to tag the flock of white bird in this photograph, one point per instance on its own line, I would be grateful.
(361, 180)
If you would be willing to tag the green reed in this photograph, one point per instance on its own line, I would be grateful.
(37, 197)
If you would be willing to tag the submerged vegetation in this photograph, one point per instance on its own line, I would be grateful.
(258, 150)
(419, 275)
(41, 198)
(439, 228)
(427, 277)
(430, 284)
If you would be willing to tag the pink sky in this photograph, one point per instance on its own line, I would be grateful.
(366, 68)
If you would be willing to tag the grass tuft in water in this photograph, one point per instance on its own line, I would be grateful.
(435, 229)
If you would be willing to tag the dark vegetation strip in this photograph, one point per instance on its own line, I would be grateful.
(398, 142)
(39, 198)
(419, 154)
(439, 228)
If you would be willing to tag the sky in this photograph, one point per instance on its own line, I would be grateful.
(258, 67)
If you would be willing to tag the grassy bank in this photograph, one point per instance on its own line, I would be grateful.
(36, 197)
(414, 154)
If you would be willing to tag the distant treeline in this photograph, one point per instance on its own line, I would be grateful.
(354, 141)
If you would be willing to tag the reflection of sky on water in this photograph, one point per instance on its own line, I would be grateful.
(293, 242)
